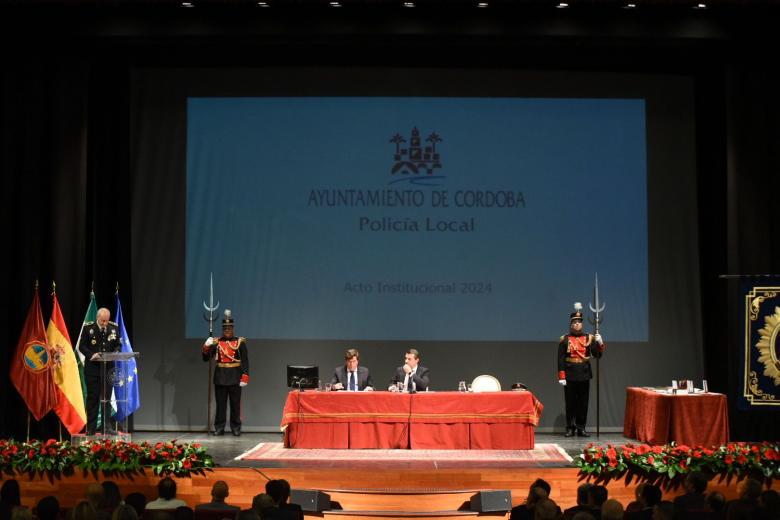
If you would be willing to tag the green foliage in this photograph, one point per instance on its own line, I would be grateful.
(668, 465)
(55, 458)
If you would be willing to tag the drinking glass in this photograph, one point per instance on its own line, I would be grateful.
(462, 386)
(704, 386)
(400, 386)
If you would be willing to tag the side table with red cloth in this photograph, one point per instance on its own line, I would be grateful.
(427, 420)
(658, 418)
(346, 420)
(478, 421)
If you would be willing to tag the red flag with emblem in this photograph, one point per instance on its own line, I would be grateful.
(31, 365)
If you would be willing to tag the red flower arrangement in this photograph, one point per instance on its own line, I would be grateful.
(110, 457)
(667, 465)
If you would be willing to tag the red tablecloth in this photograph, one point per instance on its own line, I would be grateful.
(427, 420)
(657, 418)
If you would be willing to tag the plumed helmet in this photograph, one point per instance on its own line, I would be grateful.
(577, 314)
(227, 321)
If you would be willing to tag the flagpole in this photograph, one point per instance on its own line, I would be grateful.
(28, 409)
(53, 293)
(76, 350)
(127, 397)
(36, 387)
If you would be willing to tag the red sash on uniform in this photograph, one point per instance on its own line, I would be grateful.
(578, 346)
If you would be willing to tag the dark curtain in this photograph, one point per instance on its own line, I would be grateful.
(64, 163)
(753, 226)
(738, 138)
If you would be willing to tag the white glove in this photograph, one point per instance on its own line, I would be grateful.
(242, 384)
(562, 382)
(209, 342)
(598, 339)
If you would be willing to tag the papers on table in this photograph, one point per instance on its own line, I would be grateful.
(673, 391)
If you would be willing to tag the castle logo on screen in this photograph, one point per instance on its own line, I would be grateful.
(416, 183)
(416, 164)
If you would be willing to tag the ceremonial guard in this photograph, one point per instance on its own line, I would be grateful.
(230, 374)
(574, 353)
(97, 337)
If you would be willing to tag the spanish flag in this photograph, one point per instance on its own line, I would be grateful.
(31, 365)
(70, 399)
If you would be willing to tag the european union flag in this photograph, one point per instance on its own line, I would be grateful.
(126, 383)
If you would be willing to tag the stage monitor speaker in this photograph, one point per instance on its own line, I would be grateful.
(310, 499)
(486, 501)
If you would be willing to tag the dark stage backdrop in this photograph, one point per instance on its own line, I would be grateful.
(173, 378)
(70, 202)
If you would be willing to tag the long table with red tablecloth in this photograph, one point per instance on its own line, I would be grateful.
(660, 418)
(425, 420)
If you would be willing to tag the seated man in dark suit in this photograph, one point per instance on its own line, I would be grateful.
(350, 376)
(279, 491)
(650, 497)
(412, 375)
(538, 492)
(583, 490)
(748, 490)
(694, 498)
(219, 492)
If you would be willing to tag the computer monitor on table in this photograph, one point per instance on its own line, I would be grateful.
(303, 376)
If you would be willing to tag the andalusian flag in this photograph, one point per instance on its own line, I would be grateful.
(31, 365)
(91, 316)
(70, 398)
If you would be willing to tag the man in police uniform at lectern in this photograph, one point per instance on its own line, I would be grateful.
(574, 352)
(230, 374)
(98, 336)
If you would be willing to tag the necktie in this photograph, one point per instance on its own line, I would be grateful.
(352, 385)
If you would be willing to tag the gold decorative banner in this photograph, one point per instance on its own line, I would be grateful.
(761, 374)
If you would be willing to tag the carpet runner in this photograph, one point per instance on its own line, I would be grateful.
(274, 454)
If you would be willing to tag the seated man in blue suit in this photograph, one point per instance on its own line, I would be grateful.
(350, 376)
(412, 376)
